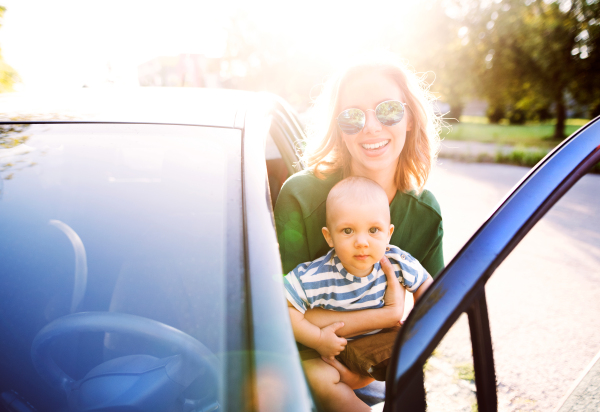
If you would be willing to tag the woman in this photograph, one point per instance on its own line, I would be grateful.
(376, 122)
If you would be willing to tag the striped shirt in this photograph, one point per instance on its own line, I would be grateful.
(324, 283)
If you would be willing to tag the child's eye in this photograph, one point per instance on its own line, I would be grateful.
(373, 230)
(347, 231)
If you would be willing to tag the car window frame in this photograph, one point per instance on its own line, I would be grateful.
(448, 298)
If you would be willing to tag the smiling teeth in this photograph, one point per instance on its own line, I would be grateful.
(375, 145)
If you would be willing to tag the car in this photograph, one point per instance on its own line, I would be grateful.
(139, 265)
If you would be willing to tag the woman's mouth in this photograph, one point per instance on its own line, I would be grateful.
(375, 146)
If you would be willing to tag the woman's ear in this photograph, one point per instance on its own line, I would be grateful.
(327, 236)
(409, 122)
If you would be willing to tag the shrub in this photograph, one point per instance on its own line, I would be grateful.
(495, 114)
(517, 116)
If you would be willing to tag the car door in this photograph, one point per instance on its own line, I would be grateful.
(460, 288)
(283, 146)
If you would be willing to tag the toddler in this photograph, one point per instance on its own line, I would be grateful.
(349, 277)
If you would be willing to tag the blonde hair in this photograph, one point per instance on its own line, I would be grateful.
(325, 151)
(355, 189)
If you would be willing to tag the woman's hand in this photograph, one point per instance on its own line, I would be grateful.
(393, 299)
(329, 343)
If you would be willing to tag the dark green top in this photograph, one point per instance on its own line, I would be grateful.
(300, 215)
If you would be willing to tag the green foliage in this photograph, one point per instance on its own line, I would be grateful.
(521, 157)
(495, 114)
(530, 134)
(531, 54)
(8, 76)
(466, 371)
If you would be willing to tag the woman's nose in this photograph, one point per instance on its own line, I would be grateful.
(372, 125)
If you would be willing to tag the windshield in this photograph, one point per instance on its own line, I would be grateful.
(121, 220)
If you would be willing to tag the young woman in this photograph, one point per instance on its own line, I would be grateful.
(375, 120)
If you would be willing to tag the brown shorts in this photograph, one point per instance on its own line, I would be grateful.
(368, 356)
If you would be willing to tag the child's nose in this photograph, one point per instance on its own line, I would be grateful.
(361, 241)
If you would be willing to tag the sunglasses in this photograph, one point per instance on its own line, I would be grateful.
(389, 113)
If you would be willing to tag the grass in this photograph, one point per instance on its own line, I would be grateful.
(466, 371)
(535, 136)
(477, 129)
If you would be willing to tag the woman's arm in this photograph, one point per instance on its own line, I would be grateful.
(361, 321)
(433, 262)
(291, 231)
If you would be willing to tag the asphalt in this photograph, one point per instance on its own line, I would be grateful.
(543, 300)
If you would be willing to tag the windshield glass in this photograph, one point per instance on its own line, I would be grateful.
(128, 222)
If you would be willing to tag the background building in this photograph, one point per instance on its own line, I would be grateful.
(184, 70)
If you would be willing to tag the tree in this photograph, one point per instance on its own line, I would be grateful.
(8, 76)
(532, 54)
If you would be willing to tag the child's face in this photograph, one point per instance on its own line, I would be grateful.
(359, 233)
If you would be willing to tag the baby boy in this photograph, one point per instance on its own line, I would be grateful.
(349, 277)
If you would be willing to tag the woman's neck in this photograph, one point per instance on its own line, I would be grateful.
(384, 178)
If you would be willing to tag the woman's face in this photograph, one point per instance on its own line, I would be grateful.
(376, 147)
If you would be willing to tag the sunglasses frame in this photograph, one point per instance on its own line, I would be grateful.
(372, 110)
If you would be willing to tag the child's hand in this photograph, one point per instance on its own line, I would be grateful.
(329, 343)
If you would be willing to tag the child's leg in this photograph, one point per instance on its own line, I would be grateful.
(332, 395)
(352, 379)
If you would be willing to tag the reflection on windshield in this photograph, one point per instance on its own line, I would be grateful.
(80, 263)
(151, 204)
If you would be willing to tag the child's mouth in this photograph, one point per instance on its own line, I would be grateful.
(361, 257)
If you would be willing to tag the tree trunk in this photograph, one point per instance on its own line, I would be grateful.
(561, 117)
(455, 112)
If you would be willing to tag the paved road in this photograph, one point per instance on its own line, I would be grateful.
(544, 300)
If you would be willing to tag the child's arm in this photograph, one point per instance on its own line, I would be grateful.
(323, 340)
(424, 286)
(365, 320)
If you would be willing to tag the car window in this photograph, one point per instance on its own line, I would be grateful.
(449, 373)
(277, 170)
(141, 220)
(543, 304)
(542, 300)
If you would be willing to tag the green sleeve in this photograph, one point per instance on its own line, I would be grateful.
(291, 231)
(434, 259)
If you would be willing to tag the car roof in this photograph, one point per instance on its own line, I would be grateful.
(197, 106)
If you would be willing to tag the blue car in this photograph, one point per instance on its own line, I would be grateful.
(139, 266)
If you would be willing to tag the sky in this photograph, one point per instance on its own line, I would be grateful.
(71, 43)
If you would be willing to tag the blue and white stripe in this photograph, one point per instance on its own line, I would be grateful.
(324, 283)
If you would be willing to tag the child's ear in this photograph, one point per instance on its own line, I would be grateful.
(327, 236)
(391, 231)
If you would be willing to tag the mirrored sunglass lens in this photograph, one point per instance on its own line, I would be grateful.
(390, 113)
(351, 121)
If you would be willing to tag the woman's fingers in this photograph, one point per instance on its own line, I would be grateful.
(393, 290)
(394, 294)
